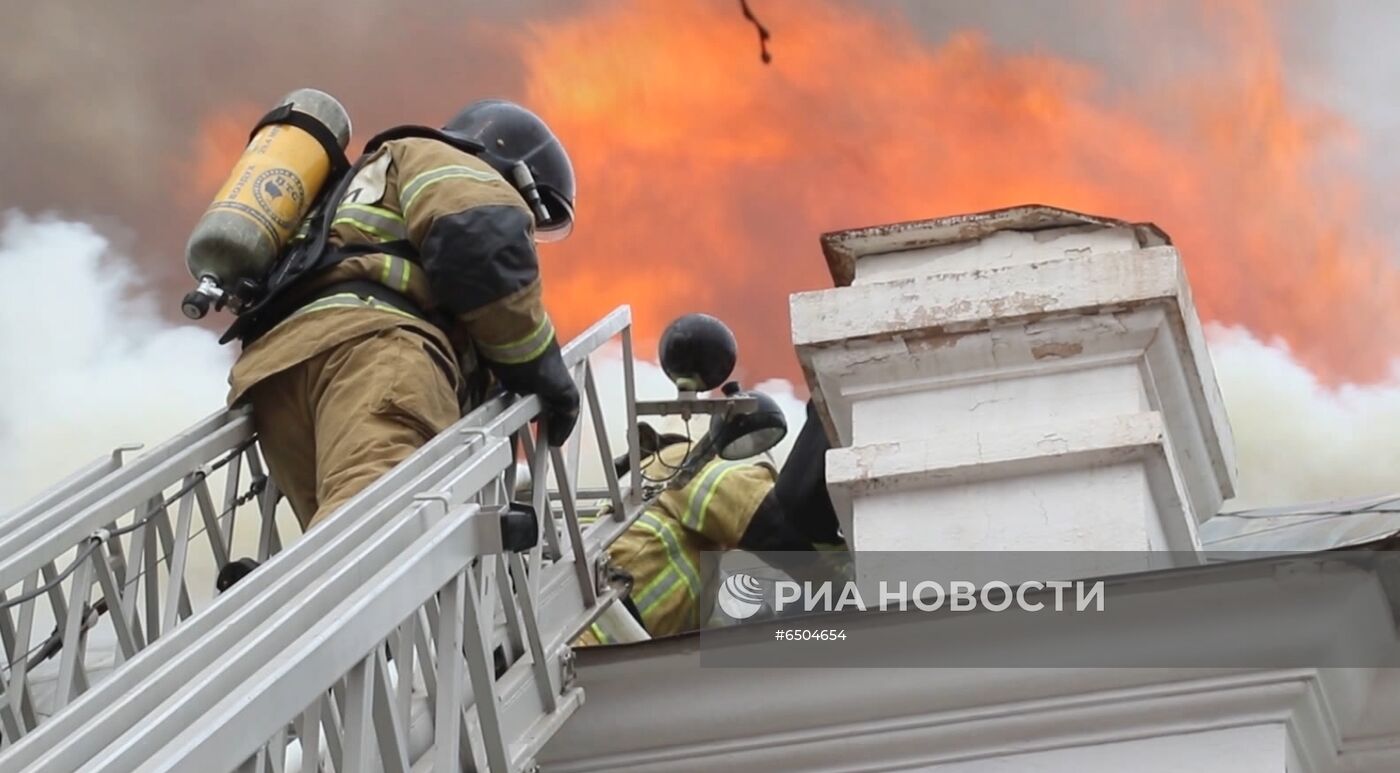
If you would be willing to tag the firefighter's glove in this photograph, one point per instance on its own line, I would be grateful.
(560, 414)
(547, 378)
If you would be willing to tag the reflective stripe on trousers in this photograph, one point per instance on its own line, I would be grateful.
(704, 488)
(679, 571)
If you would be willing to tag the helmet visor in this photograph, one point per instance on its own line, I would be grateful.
(561, 221)
(556, 234)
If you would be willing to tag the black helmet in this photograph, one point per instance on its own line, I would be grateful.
(522, 148)
(698, 352)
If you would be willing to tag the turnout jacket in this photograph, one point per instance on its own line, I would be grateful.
(476, 274)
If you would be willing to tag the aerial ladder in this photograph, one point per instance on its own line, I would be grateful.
(402, 634)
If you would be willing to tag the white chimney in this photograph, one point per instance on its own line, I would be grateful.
(1023, 379)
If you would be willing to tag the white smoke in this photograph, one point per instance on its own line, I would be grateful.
(1295, 439)
(651, 383)
(88, 362)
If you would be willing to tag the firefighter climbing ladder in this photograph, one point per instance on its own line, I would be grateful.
(398, 635)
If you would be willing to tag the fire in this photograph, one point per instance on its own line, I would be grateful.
(221, 139)
(706, 177)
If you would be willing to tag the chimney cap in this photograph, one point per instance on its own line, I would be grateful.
(844, 248)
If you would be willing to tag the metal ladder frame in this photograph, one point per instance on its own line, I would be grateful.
(116, 522)
(79, 480)
(129, 704)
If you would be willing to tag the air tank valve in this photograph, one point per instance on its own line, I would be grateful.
(197, 301)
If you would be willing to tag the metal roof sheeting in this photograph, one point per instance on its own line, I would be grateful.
(1305, 527)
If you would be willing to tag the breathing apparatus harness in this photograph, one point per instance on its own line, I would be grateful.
(271, 300)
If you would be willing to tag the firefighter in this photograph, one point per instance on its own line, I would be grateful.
(728, 505)
(423, 293)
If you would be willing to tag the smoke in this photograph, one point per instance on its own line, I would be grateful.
(89, 363)
(1249, 130)
(99, 367)
(652, 384)
(113, 94)
(1295, 439)
(703, 172)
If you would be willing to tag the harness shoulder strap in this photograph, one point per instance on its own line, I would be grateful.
(411, 130)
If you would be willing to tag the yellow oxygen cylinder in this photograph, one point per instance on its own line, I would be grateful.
(265, 199)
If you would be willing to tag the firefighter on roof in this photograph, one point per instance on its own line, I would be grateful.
(728, 505)
(422, 285)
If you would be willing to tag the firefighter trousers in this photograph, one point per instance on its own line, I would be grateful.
(331, 425)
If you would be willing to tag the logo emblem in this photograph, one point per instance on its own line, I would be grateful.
(740, 596)
(280, 195)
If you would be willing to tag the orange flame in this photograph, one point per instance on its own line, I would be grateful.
(705, 178)
(222, 137)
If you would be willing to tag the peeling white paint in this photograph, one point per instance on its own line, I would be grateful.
(1022, 389)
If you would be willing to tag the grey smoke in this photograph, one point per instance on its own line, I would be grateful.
(85, 377)
(100, 102)
(106, 369)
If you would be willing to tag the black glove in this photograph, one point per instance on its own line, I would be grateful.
(560, 415)
(547, 378)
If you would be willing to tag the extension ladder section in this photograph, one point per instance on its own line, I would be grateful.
(398, 635)
(112, 528)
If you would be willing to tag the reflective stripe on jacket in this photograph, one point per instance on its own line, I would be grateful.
(476, 270)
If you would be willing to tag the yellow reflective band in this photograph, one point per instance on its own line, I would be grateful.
(598, 633)
(679, 570)
(407, 272)
(376, 213)
(395, 273)
(651, 596)
(433, 176)
(523, 349)
(348, 301)
(384, 224)
(699, 501)
(382, 236)
(386, 264)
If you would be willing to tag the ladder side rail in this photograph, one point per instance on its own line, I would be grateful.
(313, 613)
(98, 589)
(261, 704)
(57, 531)
(80, 488)
(55, 511)
(563, 610)
(535, 695)
(138, 687)
(76, 481)
(517, 712)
